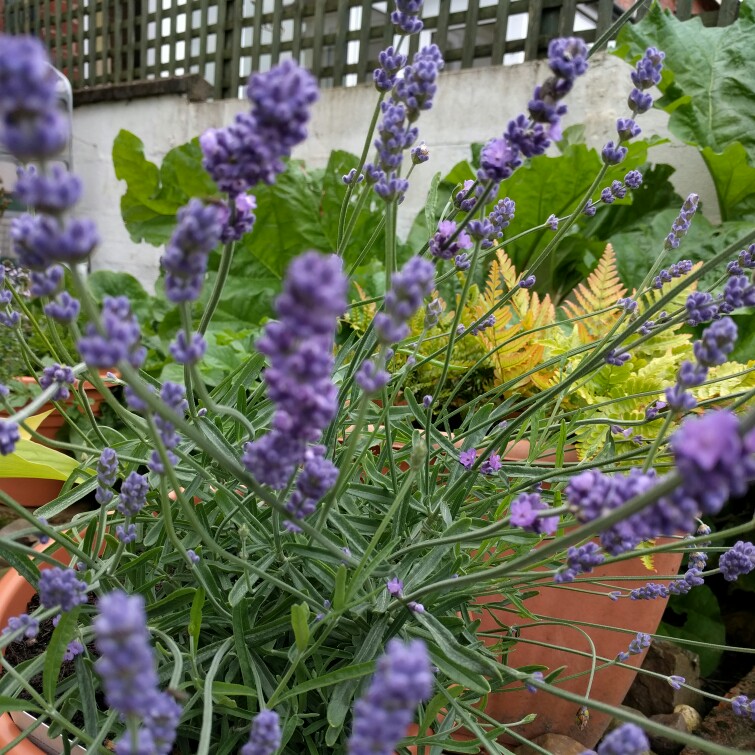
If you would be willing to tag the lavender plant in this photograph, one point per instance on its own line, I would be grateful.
(292, 561)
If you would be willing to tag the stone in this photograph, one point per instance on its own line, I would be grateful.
(691, 716)
(616, 722)
(665, 745)
(651, 694)
(556, 744)
(722, 727)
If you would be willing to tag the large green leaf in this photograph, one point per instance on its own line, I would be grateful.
(709, 75)
(734, 180)
(153, 195)
(288, 222)
(33, 460)
(637, 247)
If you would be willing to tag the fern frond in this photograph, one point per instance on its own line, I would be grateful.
(603, 288)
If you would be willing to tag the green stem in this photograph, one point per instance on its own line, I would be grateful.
(224, 270)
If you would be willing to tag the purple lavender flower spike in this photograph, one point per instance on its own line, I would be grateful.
(51, 194)
(65, 309)
(406, 16)
(129, 677)
(417, 87)
(251, 150)
(391, 62)
(523, 512)
(60, 587)
(264, 736)
(120, 340)
(440, 246)
(193, 557)
(9, 436)
(198, 231)
(627, 739)
(409, 286)
(617, 359)
(107, 471)
(40, 240)
(299, 346)
(683, 221)
(714, 461)
(28, 624)
(31, 125)
(61, 375)
(317, 477)
(47, 282)
(188, 352)
(717, 343)
(528, 282)
(738, 560)
(633, 179)
(133, 494)
(402, 680)
(467, 458)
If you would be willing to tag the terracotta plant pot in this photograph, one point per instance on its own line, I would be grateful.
(54, 422)
(31, 492)
(15, 593)
(560, 605)
(610, 685)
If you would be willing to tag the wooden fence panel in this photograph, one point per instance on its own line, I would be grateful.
(120, 41)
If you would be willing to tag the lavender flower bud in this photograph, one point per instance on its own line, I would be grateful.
(627, 129)
(402, 680)
(612, 154)
(9, 436)
(61, 375)
(409, 287)
(717, 343)
(60, 587)
(51, 194)
(133, 494)
(65, 309)
(264, 736)
(46, 282)
(627, 739)
(371, 379)
(523, 512)
(28, 624)
(420, 154)
(714, 461)
(738, 560)
(682, 223)
(197, 233)
(185, 352)
(107, 471)
(126, 534)
(120, 340)
(317, 477)
(391, 63)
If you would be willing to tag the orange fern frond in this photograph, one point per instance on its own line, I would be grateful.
(515, 349)
(603, 288)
